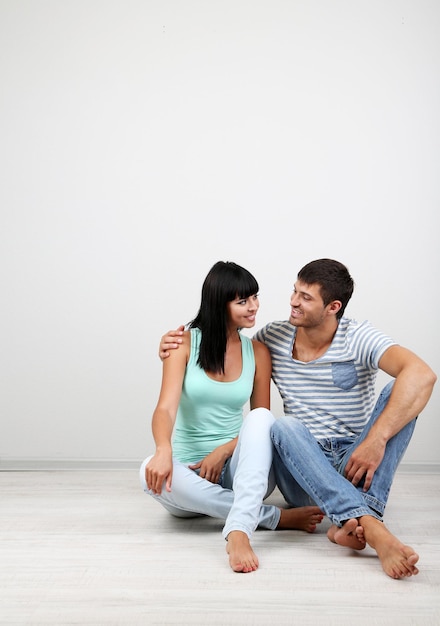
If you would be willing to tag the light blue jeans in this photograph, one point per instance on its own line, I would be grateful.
(310, 471)
(247, 479)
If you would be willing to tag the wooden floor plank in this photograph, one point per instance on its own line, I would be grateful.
(89, 547)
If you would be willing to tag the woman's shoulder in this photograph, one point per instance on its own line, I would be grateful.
(186, 336)
(260, 349)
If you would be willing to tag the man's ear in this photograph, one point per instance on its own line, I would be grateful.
(334, 307)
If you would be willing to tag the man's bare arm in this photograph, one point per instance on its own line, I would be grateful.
(413, 385)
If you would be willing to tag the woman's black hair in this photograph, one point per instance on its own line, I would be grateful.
(225, 282)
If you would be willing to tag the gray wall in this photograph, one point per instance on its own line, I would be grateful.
(141, 141)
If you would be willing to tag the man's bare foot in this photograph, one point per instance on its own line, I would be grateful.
(241, 556)
(397, 559)
(300, 518)
(351, 535)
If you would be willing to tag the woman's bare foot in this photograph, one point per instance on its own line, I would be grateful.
(300, 518)
(350, 535)
(241, 556)
(397, 559)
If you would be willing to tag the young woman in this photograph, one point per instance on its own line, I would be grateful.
(208, 460)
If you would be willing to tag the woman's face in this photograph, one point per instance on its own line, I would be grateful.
(242, 311)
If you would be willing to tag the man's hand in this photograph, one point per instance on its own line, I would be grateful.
(364, 461)
(170, 341)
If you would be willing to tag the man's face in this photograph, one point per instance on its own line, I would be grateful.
(307, 306)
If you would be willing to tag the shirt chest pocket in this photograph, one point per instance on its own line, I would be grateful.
(344, 375)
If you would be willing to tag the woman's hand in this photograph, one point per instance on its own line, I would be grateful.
(212, 465)
(159, 470)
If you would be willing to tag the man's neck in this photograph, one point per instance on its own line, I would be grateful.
(312, 343)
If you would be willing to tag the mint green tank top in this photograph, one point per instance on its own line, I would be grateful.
(210, 412)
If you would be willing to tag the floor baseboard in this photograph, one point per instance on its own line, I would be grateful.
(11, 465)
(38, 464)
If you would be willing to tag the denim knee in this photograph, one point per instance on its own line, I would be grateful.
(285, 427)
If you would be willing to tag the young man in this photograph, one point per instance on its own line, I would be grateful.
(333, 446)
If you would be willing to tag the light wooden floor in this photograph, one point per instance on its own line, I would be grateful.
(89, 547)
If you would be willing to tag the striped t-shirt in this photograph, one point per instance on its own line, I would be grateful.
(333, 395)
